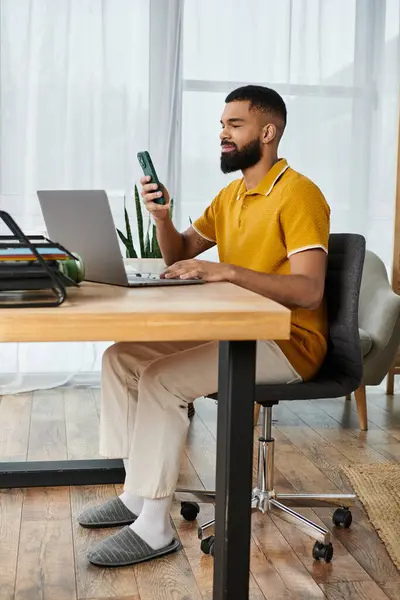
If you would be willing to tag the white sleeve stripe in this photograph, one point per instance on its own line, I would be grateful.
(313, 247)
(202, 235)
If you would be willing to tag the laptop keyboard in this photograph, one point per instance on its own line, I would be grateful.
(135, 276)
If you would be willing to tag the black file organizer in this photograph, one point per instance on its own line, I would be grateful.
(46, 276)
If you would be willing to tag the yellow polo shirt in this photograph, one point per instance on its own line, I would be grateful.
(260, 229)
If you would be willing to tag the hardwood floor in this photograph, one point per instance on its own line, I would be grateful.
(43, 549)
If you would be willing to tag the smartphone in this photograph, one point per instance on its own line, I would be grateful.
(148, 169)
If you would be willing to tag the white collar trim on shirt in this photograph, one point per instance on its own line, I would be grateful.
(285, 167)
(276, 179)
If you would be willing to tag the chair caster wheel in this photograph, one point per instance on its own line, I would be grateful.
(322, 552)
(189, 510)
(207, 545)
(342, 517)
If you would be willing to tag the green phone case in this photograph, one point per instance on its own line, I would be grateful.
(148, 169)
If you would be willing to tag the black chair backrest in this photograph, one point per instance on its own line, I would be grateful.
(341, 372)
(342, 290)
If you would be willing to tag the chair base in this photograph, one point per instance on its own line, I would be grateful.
(266, 500)
(280, 505)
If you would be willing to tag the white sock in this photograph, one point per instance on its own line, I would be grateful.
(134, 503)
(154, 524)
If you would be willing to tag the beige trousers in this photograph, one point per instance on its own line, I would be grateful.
(146, 388)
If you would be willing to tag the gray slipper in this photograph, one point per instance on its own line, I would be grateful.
(112, 513)
(126, 548)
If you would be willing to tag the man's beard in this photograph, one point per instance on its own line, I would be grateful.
(239, 160)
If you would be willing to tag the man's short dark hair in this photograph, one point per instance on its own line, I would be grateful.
(261, 98)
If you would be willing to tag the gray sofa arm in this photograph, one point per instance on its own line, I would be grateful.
(379, 316)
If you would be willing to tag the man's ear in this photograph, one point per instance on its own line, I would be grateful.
(268, 133)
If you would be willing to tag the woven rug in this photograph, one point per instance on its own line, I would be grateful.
(378, 488)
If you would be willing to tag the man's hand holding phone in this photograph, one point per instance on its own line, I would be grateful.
(150, 193)
(174, 246)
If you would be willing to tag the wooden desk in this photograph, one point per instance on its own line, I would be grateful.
(219, 311)
(97, 312)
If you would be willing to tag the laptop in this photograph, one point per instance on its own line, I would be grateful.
(81, 220)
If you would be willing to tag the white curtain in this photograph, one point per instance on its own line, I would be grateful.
(337, 65)
(77, 81)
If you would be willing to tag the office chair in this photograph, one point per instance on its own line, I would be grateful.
(340, 374)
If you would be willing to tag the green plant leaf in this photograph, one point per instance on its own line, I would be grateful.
(156, 247)
(148, 240)
(139, 218)
(127, 239)
(190, 220)
(123, 238)
(171, 208)
(130, 250)
(147, 248)
(127, 223)
(153, 243)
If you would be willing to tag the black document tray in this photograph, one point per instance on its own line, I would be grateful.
(36, 283)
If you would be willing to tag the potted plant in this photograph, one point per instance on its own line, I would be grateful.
(148, 244)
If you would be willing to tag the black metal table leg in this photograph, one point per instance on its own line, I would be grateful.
(61, 472)
(234, 470)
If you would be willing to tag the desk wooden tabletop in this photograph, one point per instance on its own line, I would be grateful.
(98, 312)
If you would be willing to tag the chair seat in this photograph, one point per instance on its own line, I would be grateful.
(320, 387)
(324, 385)
(366, 342)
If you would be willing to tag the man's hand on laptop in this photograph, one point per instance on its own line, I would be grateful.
(149, 193)
(198, 269)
